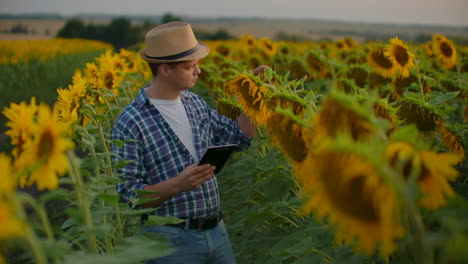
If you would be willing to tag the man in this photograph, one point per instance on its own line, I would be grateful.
(170, 128)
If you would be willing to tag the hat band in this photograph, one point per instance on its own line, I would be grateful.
(176, 56)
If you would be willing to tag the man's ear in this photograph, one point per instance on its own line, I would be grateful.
(163, 69)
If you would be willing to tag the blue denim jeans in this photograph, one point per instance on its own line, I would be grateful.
(211, 246)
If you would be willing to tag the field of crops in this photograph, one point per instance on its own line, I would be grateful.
(359, 157)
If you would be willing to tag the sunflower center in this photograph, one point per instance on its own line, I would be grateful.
(352, 198)
(446, 49)
(379, 58)
(401, 55)
(46, 144)
(109, 80)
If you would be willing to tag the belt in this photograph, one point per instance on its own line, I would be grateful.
(199, 224)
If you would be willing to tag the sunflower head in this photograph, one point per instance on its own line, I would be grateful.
(400, 56)
(413, 112)
(285, 131)
(228, 107)
(349, 189)
(11, 226)
(445, 52)
(339, 114)
(381, 63)
(317, 65)
(359, 74)
(8, 180)
(251, 95)
(21, 124)
(223, 49)
(46, 150)
(431, 170)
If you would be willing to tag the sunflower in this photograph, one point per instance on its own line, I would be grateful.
(318, 66)
(21, 123)
(286, 100)
(453, 142)
(223, 49)
(384, 111)
(69, 100)
(433, 171)
(380, 62)
(248, 40)
(11, 226)
(341, 115)
(347, 86)
(129, 59)
(347, 188)
(267, 46)
(425, 118)
(400, 82)
(445, 53)
(287, 133)
(46, 149)
(227, 107)
(298, 69)
(8, 181)
(251, 95)
(400, 56)
(359, 74)
(427, 47)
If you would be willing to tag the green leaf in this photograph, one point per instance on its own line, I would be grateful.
(159, 220)
(57, 195)
(122, 163)
(55, 248)
(136, 212)
(138, 201)
(111, 198)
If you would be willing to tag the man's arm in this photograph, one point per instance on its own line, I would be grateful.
(190, 178)
(246, 125)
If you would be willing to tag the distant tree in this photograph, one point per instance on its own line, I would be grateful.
(168, 17)
(121, 34)
(220, 34)
(73, 28)
(19, 28)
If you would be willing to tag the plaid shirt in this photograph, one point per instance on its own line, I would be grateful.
(159, 155)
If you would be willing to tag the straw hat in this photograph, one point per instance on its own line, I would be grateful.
(172, 42)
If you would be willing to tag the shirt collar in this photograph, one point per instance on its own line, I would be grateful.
(141, 99)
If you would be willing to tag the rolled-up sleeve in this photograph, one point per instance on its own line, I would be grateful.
(132, 173)
(228, 132)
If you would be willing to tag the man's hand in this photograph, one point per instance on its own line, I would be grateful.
(259, 69)
(193, 176)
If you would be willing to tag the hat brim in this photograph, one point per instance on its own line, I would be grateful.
(202, 52)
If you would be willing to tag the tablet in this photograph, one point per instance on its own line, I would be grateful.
(217, 156)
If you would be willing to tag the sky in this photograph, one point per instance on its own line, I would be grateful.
(425, 12)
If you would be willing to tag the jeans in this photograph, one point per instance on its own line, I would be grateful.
(191, 246)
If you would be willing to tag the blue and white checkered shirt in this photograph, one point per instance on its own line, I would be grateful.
(159, 155)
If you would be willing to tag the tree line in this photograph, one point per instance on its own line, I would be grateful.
(121, 33)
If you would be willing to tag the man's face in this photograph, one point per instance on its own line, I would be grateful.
(184, 74)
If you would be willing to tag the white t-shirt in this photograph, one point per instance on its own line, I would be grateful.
(174, 113)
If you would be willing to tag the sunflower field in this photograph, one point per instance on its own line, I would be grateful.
(359, 157)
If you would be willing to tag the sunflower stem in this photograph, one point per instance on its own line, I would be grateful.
(29, 235)
(83, 202)
(26, 198)
(421, 88)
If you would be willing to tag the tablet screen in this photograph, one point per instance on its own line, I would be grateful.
(217, 156)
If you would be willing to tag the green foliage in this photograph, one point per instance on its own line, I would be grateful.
(19, 82)
(119, 32)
